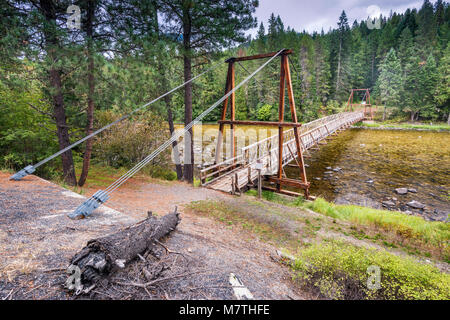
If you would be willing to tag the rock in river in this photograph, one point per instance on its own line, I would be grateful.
(401, 191)
(416, 204)
(412, 190)
(388, 204)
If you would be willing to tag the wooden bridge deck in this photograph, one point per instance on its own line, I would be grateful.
(236, 173)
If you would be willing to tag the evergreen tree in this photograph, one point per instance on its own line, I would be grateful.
(205, 27)
(406, 46)
(426, 32)
(443, 85)
(390, 81)
(342, 63)
(419, 87)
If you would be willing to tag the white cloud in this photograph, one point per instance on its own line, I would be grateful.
(313, 15)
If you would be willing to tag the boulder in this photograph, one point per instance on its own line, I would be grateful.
(412, 190)
(416, 204)
(388, 204)
(401, 191)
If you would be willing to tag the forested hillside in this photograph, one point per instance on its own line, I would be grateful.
(57, 84)
(405, 64)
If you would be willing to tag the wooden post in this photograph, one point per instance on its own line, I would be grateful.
(295, 120)
(281, 118)
(233, 112)
(259, 166)
(224, 114)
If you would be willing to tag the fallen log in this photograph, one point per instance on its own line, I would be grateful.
(102, 256)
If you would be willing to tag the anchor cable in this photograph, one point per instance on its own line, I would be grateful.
(32, 168)
(102, 196)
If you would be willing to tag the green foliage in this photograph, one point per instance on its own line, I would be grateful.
(340, 271)
(133, 54)
(26, 135)
(265, 113)
(129, 142)
(390, 80)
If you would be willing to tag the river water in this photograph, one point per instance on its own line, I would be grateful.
(365, 167)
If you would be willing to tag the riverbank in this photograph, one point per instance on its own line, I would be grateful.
(396, 170)
(330, 254)
(441, 127)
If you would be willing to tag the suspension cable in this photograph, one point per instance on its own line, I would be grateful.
(31, 168)
(101, 196)
(248, 72)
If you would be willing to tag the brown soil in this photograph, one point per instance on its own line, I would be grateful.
(38, 240)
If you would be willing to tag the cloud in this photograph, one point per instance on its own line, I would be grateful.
(313, 15)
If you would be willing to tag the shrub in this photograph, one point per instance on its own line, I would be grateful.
(340, 271)
(264, 113)
(130, 141)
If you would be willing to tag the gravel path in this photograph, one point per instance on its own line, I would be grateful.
(37, 241)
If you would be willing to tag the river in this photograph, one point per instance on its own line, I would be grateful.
(365, 167)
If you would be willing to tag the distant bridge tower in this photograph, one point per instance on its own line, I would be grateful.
(368, 112)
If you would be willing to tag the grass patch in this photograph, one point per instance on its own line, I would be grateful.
(414, 230)
(402, 230)
(267, 227)
(101, 176)
(412, 126)
(332, 269)
(275, 197)
(340, 271)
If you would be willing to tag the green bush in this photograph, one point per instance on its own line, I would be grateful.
(130, 141)
(264, 113)
(340, 271)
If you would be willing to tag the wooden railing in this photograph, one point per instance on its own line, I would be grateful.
(266, 150)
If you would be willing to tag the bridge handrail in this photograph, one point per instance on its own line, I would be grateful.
(313, 126)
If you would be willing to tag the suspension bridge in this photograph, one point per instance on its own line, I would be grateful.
(267, 157)
(242, 171)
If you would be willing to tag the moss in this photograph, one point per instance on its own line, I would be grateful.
(340, 271)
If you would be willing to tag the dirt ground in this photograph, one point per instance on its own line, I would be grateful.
(37, 241)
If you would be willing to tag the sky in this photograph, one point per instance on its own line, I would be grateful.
(313, 15)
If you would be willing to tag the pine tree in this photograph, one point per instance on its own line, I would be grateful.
(390, 81)
(322, 71)
(419, 86)
(406, 46)
(206, 27)
(342, 67)
(427, 31)
(443, 85)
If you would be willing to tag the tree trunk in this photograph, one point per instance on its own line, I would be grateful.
(384, 112)
(52, 44)
(176, 151)
(167, 100)
(189, 140)
(91, 89)
(448, 119)
(103, 256)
